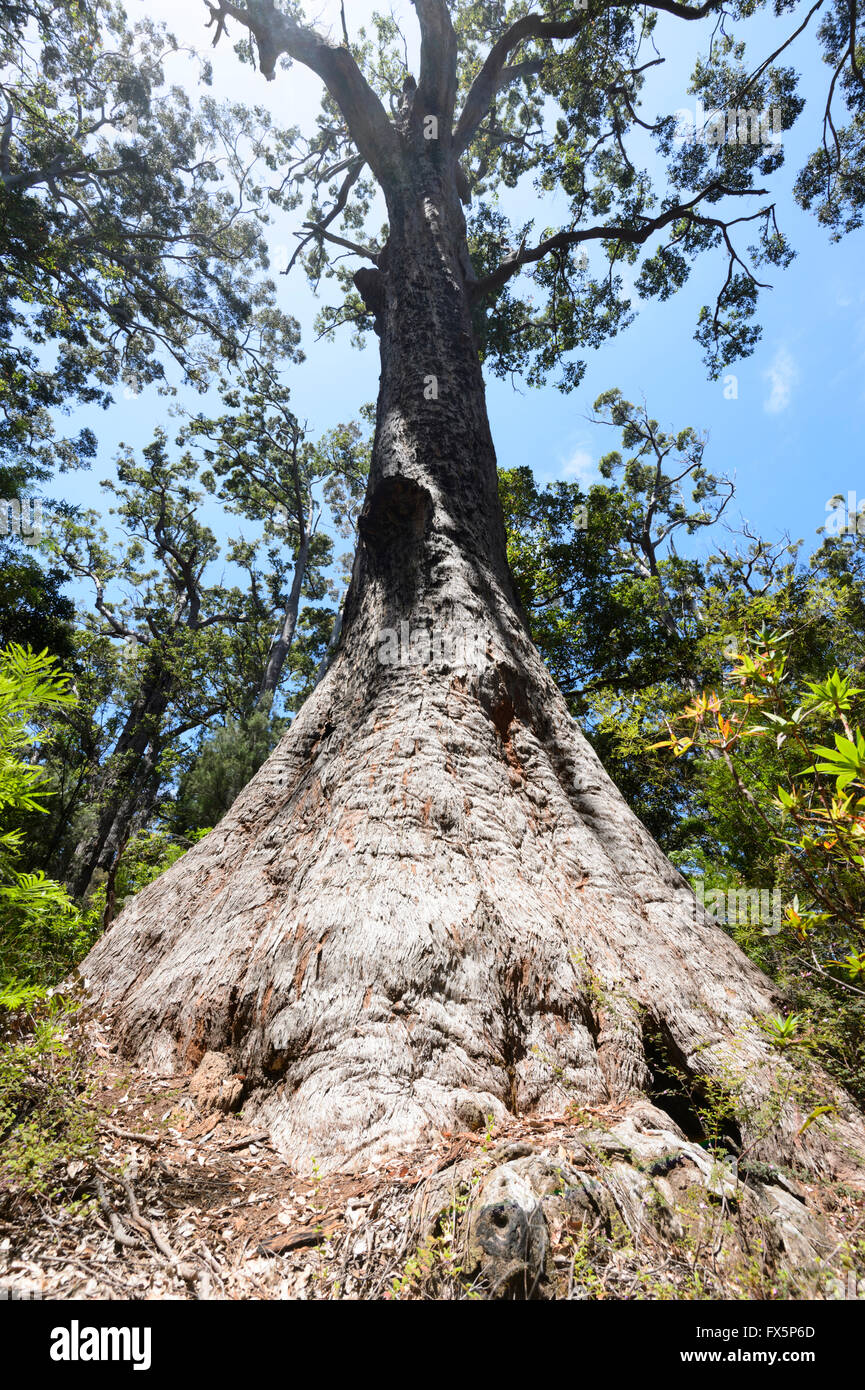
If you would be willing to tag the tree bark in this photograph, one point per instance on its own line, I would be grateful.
(431, 904)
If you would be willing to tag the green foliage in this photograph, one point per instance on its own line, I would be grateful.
(39, 924)
(782, 1032)
(817, 813)
(262, 467)
(189, 650)
(29, 684)
(765, 791)
(832, 182)
(767, 732)
(615, 609)
(47, 1129)
(129, 222)
(34, 611)
(147, 854)
(41, 936)
(226, 760)
(565, 113)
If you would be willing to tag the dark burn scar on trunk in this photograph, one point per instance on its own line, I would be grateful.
(369, 284)
(396, 518)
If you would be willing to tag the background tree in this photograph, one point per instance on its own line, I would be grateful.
(631, 627)
(172, 624)
(33, 607)
(788, 753)
(264, 468)
(130, 225)
(632, 678)
(38, 921)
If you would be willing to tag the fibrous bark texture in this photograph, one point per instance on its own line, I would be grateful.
(431, 905)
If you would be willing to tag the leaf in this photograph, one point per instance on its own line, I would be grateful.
(815, 1115)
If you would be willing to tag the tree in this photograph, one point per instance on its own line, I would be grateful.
(643, 686)
(34, 610)
(431, 904)
(173, 627)
(262, 466)
(225, 761)
(601, 572)
(81, 739)
(130, 225)
(37, 918)
(794, 759)
(624, 622)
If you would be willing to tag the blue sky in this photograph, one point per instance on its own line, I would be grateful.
(791, 436)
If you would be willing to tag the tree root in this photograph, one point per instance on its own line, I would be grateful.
(145, 1225)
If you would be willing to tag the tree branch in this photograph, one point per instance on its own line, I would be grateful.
(320, 228)
(487, 83)
(4, 142)
(438, 60)
(634, 236)
(275, 33)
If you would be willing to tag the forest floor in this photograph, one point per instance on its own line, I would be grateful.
(190, 1206)
(160, 1201)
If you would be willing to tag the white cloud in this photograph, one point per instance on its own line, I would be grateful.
(580, 467)
(782, 376)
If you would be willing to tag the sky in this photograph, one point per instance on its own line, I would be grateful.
(788, 430)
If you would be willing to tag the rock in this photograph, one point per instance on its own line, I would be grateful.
(505, 1153)
(214, 1087)
(469, 1114)
(629, 1197)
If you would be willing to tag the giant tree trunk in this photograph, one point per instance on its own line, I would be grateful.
(431, 904)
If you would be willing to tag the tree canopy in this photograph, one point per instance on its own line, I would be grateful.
(510, 93)
(130, 224)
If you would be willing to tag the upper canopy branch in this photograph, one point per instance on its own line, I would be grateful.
(320, 228)
(275, 33)
(493, 73)
(438, 60)
(634, 236)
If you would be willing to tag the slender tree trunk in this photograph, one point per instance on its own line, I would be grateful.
(278, 653)
(131, 817)
(97, 849)
(431, 904)
(333, 639)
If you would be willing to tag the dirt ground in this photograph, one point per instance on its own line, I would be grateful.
(173, 1203)
(190, 1206)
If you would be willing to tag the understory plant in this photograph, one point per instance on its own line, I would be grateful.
(791, 754)
(40, 925)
